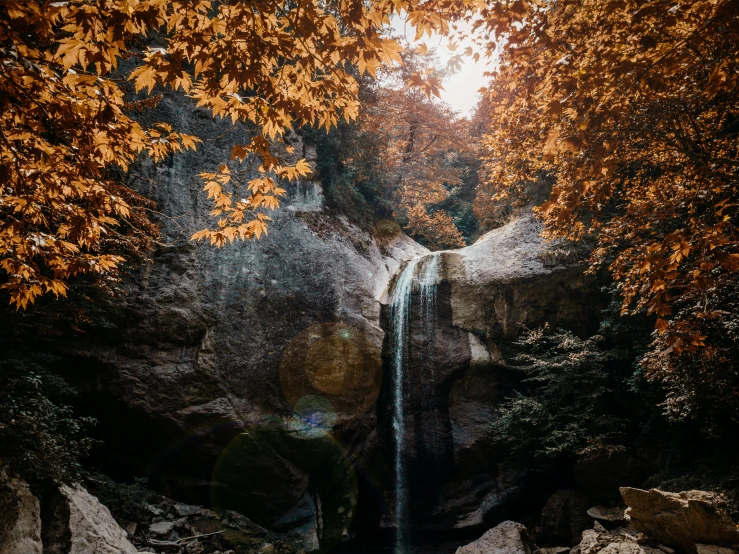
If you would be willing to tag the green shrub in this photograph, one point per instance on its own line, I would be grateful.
(40, 437)
(567, 399)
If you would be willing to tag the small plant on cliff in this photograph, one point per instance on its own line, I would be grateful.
(39, 435)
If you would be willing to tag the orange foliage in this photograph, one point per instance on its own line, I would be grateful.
(633, 108)
(420, 145)
(66, 137)
(437, 230)
(63, 135)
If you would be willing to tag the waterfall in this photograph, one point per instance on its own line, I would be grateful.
(429, 275)
(400, 322)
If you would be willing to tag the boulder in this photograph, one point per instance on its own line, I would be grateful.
(713, 549)
(203, 531)
(680, 520)
(609, 517)
(20, 521)
(501, 283)
(468, 502)
(565, 516)
(70, 521)
(303, 522)
(507, 538)
(184, 510)
(130, 527)
(627, 547)
(599, 540)
(77, 523)
(161, 529)
(243, 524)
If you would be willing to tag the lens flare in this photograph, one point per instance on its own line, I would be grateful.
(334, 361)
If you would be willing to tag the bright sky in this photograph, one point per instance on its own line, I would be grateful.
(460, 90)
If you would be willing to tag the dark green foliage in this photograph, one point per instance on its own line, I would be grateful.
(459, 203)
(126, 501)
(567, 399)
(578, 395)
(465, 220)
(345, 192)
(583, 396)
(40, 437)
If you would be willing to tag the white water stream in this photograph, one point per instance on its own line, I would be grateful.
(400, 322)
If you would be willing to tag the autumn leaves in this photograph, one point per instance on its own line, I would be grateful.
(65, 135)
(628, 107)
(68, 134)
(630, 101)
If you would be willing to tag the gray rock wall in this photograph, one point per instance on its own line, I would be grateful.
(209, 372)
(20, 516)
(69, 521)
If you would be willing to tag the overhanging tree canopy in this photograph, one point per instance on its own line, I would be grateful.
(66, 135)
(633, 107)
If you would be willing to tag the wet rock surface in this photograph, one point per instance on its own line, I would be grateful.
(241, 377)
(88, 524)
(251, 416)
(457, 372)
(612, 516)
(565, 516)
(69, 521)
(614, 542)
(655, 531)
(602, 474)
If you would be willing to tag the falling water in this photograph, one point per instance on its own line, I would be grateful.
(400, 320)
(428, 278)
(400, 312)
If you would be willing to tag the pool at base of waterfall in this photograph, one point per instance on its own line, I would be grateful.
(432, 548)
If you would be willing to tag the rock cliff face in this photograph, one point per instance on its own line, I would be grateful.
(254, 377)
(20, 520)
(220, 372)
(487, 293)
